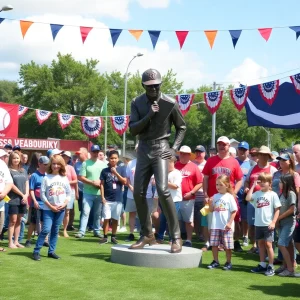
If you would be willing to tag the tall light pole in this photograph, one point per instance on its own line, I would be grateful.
(6, 8)
(268, 136)
(125, 100)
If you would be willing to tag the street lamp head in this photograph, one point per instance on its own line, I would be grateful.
(139, 54)
(6, 8)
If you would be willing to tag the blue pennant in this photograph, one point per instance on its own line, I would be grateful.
(235, 35)
(115, 33)
(55, 28)
(297, 30)
(154, 35)
(1, 20)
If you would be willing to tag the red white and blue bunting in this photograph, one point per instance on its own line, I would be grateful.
(119, 123)
(239, 97)
(22, 111)
(213, 100)
(185, 101)
(269, 91)
(42, 115)
(91, 126)
(65, 120)
(296, 82)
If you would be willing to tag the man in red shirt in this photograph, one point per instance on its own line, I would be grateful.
(191, 182)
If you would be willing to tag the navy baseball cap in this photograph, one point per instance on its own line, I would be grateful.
(8, 146)
(200, 148)
(95, 148)
(243, 145)
(17, 147)
(44, 160)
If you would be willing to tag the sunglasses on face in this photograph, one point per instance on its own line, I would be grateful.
(153, 86)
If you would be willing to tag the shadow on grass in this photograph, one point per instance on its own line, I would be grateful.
(283, 290)
(27, 254)
(100, 256)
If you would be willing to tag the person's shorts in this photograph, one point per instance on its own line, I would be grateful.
(130, 205)
(250, 214)
(263, 233)
(285, 234)
(237, 217)
(243, 210)
(112, 210)
(197, 214)
(36, 214)
(186, 211)
(72, 199)
(221, 237)
(17, 209)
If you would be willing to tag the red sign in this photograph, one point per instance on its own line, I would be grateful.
(30, 143)
(9, 120)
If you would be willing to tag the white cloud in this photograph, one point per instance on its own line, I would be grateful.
(154, 3)
(39, 47)
(248, 72)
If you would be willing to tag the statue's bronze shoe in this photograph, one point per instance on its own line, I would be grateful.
(144, 240)
(176, 246)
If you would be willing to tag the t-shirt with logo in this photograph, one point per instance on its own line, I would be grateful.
(35, 183)
(286, 203)
(91, 170)
(224, 205)
(191, 176)
(216, 166)
(20, 179)
(264, 203)
(199, 194)
(55, 189)
(245, 167)
(112, 185)
(5, 178)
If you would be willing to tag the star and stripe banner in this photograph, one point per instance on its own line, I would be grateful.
(22, 111)
(91, 126)
(42, 115)
(296, 82)
(65, 120)
(185, 101)
(269, 91)
(239, 97)
(119, 123)
(213, 100)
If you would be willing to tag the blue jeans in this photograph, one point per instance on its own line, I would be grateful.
(163, 221)
(89, 202)
(51, 224)
(22, 228)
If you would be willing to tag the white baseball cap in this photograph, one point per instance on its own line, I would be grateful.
(3, 153)
(67, 153)
(185, 149)
(56, 152)
(223, 139)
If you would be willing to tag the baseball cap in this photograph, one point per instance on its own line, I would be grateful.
(200, 148)
(223, 139)
(3, 153)
(283, 156)
(17, 147)
(243, 145)
(56, 152)
(8, 146)
(95, 148)
(232, 150)
(185, 149)
(49, 152)
(67, 153)
(151, 76)
(44, 160)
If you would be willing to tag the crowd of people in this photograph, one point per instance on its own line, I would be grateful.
(227, 198)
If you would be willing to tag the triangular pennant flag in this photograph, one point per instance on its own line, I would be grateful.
(211, 35)
(154, 35)
(42, 115)
(213, 100)
(22, 111)
(185, 101)
(55, 28)
(181, 36)
(115, 33)
(239, 96)
(296, 82)
(295, 28)
(265, 33)
(119, 123)
(136, 33)
(84, 31)
(269, 91)
(25, 26)
(1, 20)
(65, 120)
(235, 35)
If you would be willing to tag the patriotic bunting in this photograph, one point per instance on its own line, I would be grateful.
(154, 35)
(25, 26)
(211, 36)
(235, 35)
(84, 31)
(1, 20)
(119, 123)
(42, 115)
(295, 28)
(65, 120)
(296, 82)
(22, 111)
(55, 28)
(269, 91)
(91, 126)
(136, 33)
(181, 36)
(239, 97)
(213, 100)
(115, 33)
(185, 101)
(265, 33)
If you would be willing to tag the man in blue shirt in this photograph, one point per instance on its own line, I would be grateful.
(112, 180)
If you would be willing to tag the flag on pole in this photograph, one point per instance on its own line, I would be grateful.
(103, 111)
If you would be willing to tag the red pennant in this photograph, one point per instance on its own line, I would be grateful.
(84, 31)
(181, 36)
(265, 33)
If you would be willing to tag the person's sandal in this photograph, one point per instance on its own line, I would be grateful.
(2, 249)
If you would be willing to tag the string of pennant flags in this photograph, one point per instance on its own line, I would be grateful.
(153, 34)
(92, 126)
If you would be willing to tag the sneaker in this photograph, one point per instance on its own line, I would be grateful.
(114, 240)
(245, 241)
(46, 244)
(98, 235)
(237, 246)
(259, 269)
(130, 238)
(270, 271)
(36, 256)
(286, 273)
(227, 266)
(71, 228)
(53, 255)
(187, 244)
(122, 229)
(280, 269)
(28, 244)
(90, 229)
(213, 265)
(79, 235)
(103, 241)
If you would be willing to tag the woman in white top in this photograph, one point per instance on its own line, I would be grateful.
(55, 193)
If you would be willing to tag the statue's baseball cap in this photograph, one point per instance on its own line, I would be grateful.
(150, 77)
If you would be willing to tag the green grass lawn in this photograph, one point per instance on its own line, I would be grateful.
(85, 272)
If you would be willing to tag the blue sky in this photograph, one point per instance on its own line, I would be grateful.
(196, 63)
